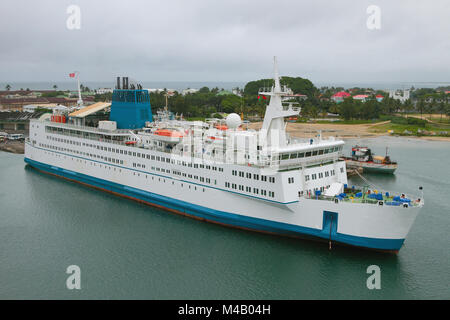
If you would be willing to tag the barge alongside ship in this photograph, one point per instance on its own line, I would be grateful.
(362, 158)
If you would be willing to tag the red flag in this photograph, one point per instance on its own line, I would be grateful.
(72, 75)
(259, 97)
(264, 97)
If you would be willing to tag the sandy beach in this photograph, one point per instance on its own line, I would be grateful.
(344, 131)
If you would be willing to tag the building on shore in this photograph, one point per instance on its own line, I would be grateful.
(340, 96)
(401, 95)
(361, 97)
(49, 106)
(18, 122)
(17, 104)
(104, 90)
(189, 91)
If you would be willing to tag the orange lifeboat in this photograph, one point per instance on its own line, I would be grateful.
(222, 127)
(168, 133)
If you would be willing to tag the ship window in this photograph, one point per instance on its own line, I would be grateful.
(285, 156)
(293, 156)
(308, 154)
(314, 153)
(320, 152)
(307, 177)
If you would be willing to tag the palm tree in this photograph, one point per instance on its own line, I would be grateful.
(421, 107)
(8, 87)
(407, 107)
(442, 108)
(55, 87)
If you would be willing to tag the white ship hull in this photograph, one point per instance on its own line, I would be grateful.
(363, 225)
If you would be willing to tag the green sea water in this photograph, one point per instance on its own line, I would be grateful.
(126, 250)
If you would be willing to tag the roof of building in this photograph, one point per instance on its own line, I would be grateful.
(93, 108)
(341, 94)
(224, 93)
(19, 116)
(360, 96)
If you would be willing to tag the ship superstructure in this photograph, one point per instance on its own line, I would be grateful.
(219, 171)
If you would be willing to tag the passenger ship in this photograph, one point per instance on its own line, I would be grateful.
(218, 171)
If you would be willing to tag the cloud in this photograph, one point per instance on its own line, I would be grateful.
(224, 40)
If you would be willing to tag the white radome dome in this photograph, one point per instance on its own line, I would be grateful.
(233, 121)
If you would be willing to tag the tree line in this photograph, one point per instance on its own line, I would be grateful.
(209, 102)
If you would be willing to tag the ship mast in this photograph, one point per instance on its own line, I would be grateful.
(80, 101)
(273, 126)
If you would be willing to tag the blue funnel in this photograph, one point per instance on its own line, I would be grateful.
(131, 108)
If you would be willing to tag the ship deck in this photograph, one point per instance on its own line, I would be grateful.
(375, 197)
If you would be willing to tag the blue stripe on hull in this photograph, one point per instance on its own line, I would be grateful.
(220, 216)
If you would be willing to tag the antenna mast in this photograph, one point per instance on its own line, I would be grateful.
(80, 101)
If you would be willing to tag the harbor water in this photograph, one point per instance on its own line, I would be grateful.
(127, 250)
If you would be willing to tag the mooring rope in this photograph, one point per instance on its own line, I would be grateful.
(367, 181)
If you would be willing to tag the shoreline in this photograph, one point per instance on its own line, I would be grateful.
(13, 147)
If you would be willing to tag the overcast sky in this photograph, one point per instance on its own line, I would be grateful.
(212, 40)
